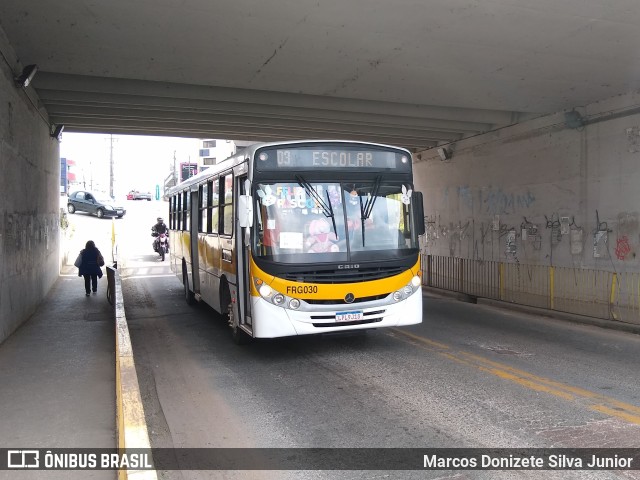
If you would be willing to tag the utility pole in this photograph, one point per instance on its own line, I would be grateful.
(111, 169)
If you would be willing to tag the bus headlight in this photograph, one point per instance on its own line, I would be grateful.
(408, 290)
(275, 297)
(294, 304)
(265, 291)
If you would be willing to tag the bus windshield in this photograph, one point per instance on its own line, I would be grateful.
(325, 222)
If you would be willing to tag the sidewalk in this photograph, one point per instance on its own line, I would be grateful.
(57, 377)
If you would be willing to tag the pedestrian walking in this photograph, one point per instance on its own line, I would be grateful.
(89, 262)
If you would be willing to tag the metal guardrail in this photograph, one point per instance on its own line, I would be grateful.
(596, 293)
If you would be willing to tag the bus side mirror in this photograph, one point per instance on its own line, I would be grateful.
(245, 211)
(419, 212)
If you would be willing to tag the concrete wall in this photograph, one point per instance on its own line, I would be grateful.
(29, 202)
(541, 192)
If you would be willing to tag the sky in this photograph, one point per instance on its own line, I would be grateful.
(140, 162)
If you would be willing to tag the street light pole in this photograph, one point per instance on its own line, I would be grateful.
(111, 169)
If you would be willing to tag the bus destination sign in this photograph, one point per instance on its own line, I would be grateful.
(310, 158)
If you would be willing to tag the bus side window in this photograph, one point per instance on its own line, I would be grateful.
(202, 208)
(185, 210)
(213, 208)
(179, 211)
(227, 205)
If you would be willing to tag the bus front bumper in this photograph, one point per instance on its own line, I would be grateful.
(270, 321)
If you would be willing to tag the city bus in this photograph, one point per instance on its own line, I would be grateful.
(303, 237)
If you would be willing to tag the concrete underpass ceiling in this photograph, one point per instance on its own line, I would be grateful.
(414, 73)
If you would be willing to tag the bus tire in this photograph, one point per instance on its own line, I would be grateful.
(238, 335)
(188, 294)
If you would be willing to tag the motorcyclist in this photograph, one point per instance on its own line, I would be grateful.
(156, 230)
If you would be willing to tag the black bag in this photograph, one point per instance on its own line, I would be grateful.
(100, 260)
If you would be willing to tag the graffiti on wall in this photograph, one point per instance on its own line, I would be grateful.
(554, 225)
(529, 234)
(623, 248)
(499, 202)
(457, 234)
(512, 248)
(466, 196)
(633, 139)
(431, 229)
(490, 233)
(25, 234)
(627, 230)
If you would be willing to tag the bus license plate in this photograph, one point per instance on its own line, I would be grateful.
(349, 316)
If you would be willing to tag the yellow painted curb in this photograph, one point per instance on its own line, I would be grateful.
(130, 421)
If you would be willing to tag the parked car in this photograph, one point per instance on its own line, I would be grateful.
(95, 204)
(136, 195)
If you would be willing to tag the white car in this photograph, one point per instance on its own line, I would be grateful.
(136, 195)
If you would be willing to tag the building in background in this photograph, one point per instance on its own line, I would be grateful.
(214, 151)
(67, 175)
(188, 170)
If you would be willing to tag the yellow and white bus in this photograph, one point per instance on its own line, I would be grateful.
(306, 237)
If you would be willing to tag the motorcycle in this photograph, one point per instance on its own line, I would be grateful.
(161, 244)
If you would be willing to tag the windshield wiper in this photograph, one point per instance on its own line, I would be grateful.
(367, 208)
(327, 208)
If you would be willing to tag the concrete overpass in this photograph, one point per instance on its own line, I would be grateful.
(490, 81)
(408, 72)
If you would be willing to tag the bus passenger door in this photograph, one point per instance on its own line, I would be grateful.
(243, 252)
(194, 212)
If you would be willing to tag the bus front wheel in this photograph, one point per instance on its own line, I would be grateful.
(188, 294)
(239, 336)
